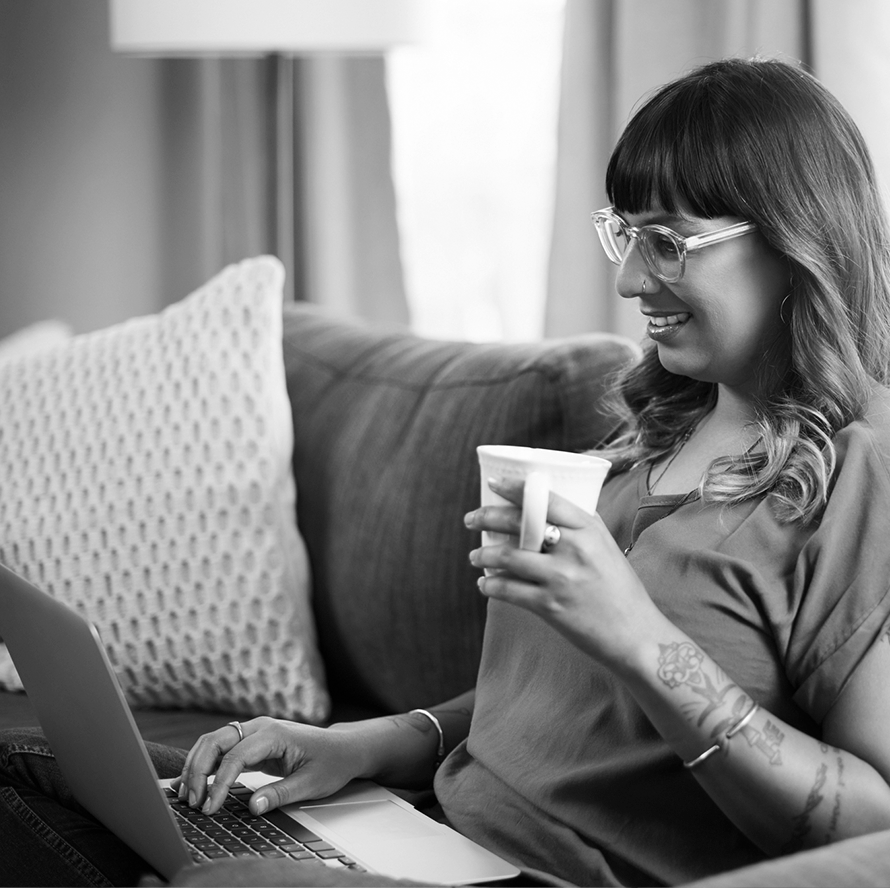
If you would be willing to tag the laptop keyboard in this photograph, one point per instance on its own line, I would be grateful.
(234, 832)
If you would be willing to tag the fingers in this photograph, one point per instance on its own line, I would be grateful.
(313, 761)
(586, 546)
(514, 591)
(507, 519)
(496, 519)
(222, 753)
(529, 566)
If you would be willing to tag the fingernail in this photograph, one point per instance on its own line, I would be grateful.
(473, 556)
(494, 482)
(193, 799)
(469, 517)
(206, 808)
(261, 805)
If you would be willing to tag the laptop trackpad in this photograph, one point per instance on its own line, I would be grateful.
(407, 845)
(379, 820)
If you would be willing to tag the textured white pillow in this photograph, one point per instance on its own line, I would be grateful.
(33, 339)
(145, 478)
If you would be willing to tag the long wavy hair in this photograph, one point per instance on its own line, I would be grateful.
(765, 141)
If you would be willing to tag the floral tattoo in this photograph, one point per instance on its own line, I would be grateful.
(680, 664)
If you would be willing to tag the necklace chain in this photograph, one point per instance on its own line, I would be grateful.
(651, 485)
(682, 502)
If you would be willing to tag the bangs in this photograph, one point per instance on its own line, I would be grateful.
(679, 152)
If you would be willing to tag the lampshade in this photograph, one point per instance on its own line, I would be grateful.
(196, 27)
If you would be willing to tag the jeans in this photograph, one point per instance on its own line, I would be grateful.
(46, 837)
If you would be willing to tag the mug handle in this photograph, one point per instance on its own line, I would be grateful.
(535, 499)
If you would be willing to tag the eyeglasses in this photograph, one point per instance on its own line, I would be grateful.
(663, 249)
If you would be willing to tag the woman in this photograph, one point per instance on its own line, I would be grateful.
(692, 679)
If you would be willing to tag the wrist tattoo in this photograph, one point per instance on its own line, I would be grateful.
(680, 665)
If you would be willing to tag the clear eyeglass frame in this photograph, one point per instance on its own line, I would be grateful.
(663, 249)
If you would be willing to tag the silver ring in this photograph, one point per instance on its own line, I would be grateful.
(552, 535)
(644, 285)
(237, 727)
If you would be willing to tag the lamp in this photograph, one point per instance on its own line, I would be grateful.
(257, 27)
(277, 29)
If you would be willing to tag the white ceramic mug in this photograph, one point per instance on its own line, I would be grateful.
(578, 477)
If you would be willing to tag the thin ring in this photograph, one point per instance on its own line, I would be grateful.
(552, 536)
(237, 727)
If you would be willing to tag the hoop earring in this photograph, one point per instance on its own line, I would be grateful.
(782, 309)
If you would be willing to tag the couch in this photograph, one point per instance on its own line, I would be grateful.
(385, 426)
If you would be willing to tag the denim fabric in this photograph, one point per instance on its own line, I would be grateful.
(46, 837)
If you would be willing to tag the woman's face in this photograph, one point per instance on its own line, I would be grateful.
(717, 323)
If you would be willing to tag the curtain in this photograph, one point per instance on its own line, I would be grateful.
(615, 52)
(851, 56)
(283, 156)
(350, 240)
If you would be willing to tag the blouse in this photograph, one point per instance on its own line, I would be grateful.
(562, 771)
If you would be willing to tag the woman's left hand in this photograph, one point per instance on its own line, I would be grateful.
(583, 586)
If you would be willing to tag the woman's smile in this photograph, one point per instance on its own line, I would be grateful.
(662, 327)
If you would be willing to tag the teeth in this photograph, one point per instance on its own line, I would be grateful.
(670, 319)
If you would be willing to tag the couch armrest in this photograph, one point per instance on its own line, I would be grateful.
(863, 861)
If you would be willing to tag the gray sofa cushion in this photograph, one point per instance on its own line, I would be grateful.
(386, 425)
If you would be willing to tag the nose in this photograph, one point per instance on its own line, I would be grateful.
(635, 278)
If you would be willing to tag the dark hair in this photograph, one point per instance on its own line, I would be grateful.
(765, 141)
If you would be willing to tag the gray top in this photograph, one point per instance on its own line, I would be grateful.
(564, 773)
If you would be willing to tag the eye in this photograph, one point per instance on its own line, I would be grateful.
(664, 246)
(622, 237)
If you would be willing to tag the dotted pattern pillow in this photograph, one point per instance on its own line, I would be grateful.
(145, 478)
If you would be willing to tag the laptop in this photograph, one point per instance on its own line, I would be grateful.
(85, 717)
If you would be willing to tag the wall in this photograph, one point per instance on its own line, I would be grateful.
(79, 170)
(126, 182)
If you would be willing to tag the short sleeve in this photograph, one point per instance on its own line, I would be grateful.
(842, 576)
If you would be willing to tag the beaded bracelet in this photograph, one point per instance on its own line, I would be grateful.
(440, 752)
(694, 763)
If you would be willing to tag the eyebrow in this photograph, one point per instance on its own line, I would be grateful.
(671, 220)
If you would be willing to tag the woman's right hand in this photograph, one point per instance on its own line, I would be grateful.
(312, 762)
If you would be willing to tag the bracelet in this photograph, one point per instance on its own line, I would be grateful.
(440, 752)
(694, 763)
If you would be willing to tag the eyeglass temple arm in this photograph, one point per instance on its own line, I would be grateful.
(714, 237)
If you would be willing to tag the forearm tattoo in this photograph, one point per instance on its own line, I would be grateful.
(766, 742)
(800, 825)
(682, 664)
(834, 820)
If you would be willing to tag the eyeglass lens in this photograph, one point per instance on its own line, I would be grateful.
(661, 251)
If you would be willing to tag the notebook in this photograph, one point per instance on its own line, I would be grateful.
(83, 713)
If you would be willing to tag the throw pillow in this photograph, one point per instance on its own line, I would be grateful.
(33, 339)
(29, 340)
(145, 479)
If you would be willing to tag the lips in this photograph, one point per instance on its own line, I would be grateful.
(662, 327)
